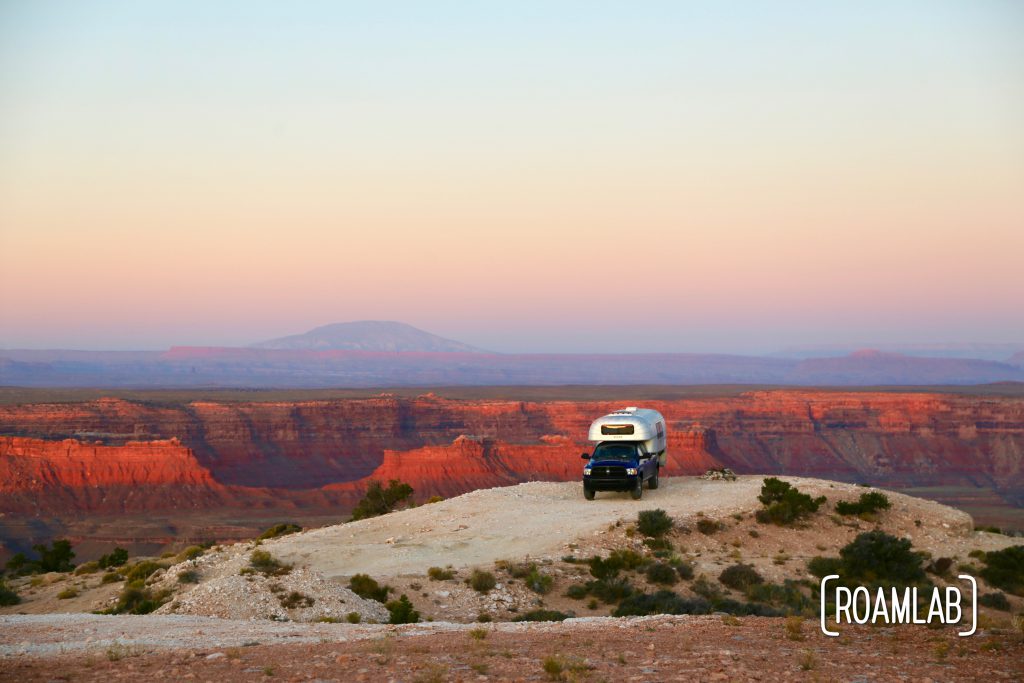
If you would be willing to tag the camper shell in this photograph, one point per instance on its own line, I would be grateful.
(629, 452)
(633, 424)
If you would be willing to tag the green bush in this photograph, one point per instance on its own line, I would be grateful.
(188, 576)
(115, 558)
(353, 617)
(537, 582)
(660, 572)
(295, 600)
(141, 570)
(136, 598)
(740, 577)
(610, 590)
(658, 544)
(784, 504)
(439, 574)
(653, 523)
(482, 581)
(577, 591)
(684, 569)
(708, 526)
(366, 587)
(7, 596)
(190, 553)
(995, 601)
(706, 589)
(1005, 569)
(543, 615)
(868, 503)
(56, 558)
(87, 568)
(617, 560)
(402, 611)
(379, 500)
(787, 595)
(824, 566)
(266, 564)
(282, 529)
(876, 558)
(111, 577)
(661, 602)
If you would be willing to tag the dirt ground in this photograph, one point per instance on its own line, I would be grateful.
(662, 648)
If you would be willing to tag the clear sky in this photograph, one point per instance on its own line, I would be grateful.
(522, 176)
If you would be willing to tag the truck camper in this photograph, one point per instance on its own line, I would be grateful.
(630, 450)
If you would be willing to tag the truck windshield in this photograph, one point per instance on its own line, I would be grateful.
(615, 451)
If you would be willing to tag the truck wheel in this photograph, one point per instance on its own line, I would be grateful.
(638, 490)
(654, 480)
(588, 493)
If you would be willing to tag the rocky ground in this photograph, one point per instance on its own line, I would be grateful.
(235, 624)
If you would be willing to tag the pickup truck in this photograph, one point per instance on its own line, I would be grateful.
(619, 466)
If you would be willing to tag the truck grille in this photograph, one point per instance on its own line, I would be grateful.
(608, 472)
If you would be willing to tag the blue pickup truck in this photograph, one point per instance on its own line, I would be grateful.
(619, 466)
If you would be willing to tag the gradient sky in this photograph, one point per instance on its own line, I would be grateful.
(549, 176)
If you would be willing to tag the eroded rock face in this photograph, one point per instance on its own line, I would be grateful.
(323, 452)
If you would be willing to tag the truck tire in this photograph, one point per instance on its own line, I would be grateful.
(653, 484)
(638, 490)
(588, 493)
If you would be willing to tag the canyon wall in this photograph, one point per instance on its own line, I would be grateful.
(109, 455)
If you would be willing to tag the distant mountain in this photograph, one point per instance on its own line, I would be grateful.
(972, 350)
(368, 335)
(870, 366)
(1017, 359)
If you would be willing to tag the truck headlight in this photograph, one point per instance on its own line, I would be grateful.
(586, 470)
(631, 470)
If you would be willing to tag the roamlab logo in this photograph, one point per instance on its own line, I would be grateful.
(895, 606)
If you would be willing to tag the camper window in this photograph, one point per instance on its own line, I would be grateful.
(616, 430)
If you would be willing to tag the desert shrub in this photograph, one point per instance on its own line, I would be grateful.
(577, 591)
(658, 544)
(111, 577)
(784, 504)
(141, 570)
(706, 589)
(482, 581)
(188, 576)
(56, 558)
(353, 617)
(87, 568)
(439, 574)
(940, 566)
(8, 597)
(740, 577)
(20, 565)
(610, 590)
(787, 595)
(190, 553)
(660, 572)
(136, 598)
(824, 566)
(661, 602)
(67, 594)
(617, 560)
(868, 503)
(876, 558)
(115, 558)
(402, 611)
(708, 526)
(295, 600)
(543, 615)
(653, 523)
(538, 582)
(282, 529)
(684, 569)
(365, 586)
(995, 601)
(483, 618)
(379, 500)
(263, 562)
(1005, 569)
(433, 499)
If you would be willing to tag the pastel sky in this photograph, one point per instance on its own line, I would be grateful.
(522, 176)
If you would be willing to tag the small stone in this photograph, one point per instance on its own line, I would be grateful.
(216, 655)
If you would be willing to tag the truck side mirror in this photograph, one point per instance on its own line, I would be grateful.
(585, 456)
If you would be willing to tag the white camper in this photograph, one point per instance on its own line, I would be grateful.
(633, 424)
